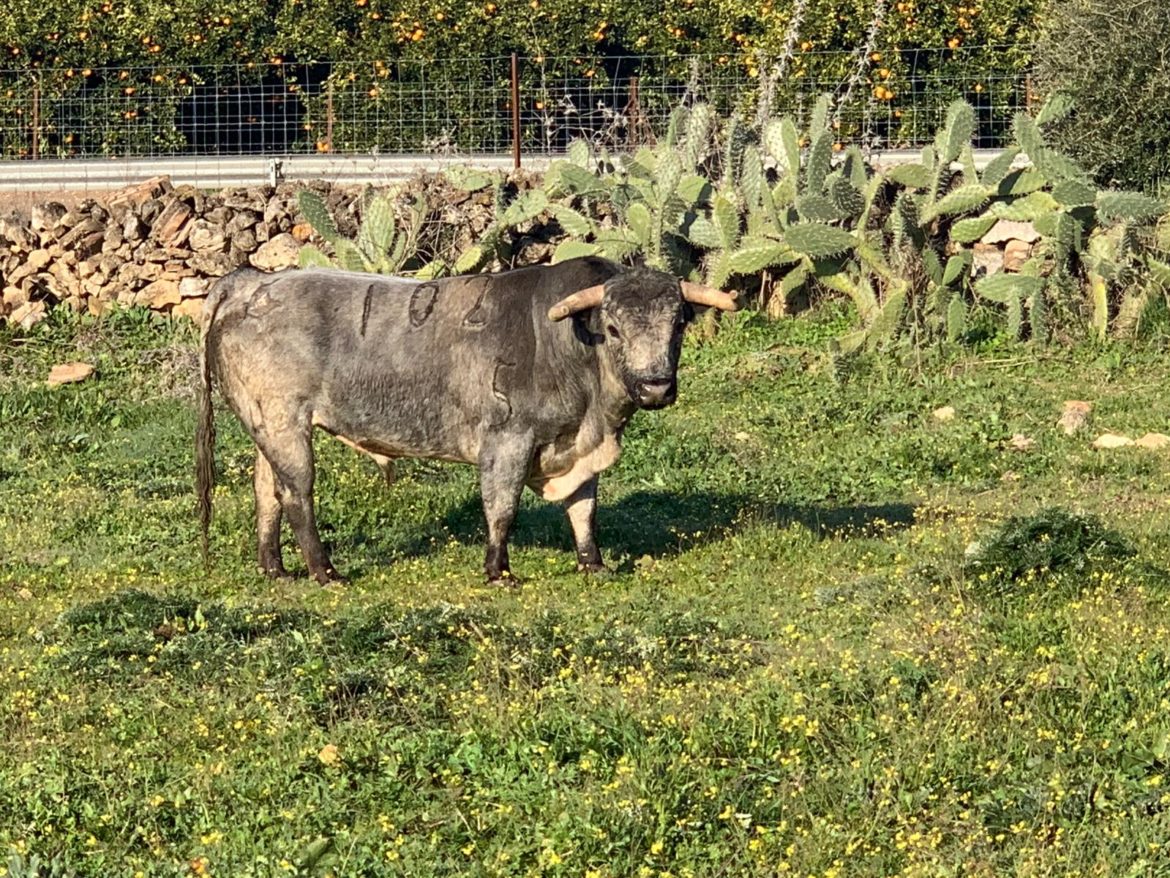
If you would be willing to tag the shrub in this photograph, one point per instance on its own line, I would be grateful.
(1109, 57)
(1025, 550)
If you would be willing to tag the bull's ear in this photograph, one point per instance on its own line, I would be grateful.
(588, 326)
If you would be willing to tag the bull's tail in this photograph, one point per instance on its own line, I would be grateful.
(205, 426)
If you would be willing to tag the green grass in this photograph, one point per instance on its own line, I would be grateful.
(801, 664)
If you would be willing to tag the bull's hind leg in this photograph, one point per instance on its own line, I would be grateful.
(267, 518)
(581, 508)
(290, 452)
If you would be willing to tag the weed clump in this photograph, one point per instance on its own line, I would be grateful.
(1036, 552)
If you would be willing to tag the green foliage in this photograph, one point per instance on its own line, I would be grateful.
(911, 175)
(573, 222)
(1129, 206)
(956, 133)
(1016, 292)
(782, 142)
(35, 867)
(743, 208)
(757, 254)
(473, 180)
(575, 250)
(167, 47)
(1021, 182)
(1000, 166)
(1026, 552)
(965, 199)
(957, 266)
(1105, 62)
(956, 319)
(313, 208)
(384, 243)
(1004, 287)
(1075, 193)
(967, 231)
(204, 32)
(817, 240)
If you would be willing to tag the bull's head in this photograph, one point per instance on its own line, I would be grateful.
(640, 316)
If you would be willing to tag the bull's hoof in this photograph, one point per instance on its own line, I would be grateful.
(329, 577)
(505, 578)
(276, 571)
(593, 568)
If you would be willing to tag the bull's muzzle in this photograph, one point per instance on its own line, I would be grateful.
(655, 393)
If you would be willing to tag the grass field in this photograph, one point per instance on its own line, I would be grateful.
(800, 663)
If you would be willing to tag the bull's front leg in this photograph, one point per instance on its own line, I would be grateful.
(504, 461)
(581, 508)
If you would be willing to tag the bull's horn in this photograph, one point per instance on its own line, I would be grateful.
(698, 294)
(590, 297)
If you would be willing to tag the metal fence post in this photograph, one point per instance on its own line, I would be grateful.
(36, 118)
(515, 112)
(329, 113)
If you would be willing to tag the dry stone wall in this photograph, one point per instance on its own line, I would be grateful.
(153, 245)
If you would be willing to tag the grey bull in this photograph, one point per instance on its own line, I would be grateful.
(532, 375)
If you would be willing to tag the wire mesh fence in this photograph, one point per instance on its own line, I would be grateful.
(464, 105)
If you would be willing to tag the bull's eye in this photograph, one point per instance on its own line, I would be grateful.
(613, 332)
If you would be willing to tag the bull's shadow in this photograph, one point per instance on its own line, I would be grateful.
(655, 523)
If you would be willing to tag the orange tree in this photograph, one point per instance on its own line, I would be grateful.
(203, 32)
(973, 43)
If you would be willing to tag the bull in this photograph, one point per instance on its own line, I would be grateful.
(531, 374)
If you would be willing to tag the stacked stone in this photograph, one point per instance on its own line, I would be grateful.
(153, 244)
